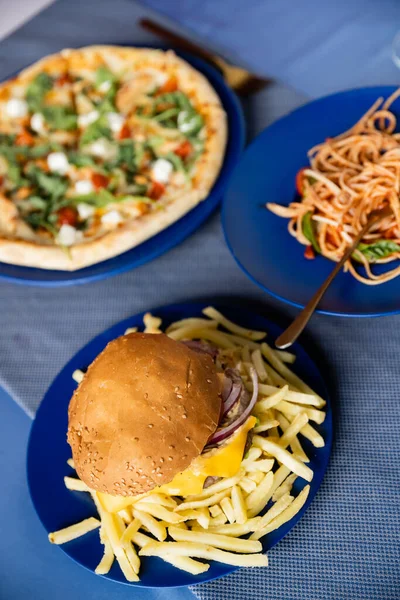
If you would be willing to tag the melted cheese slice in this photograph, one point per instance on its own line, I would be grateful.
(220, 462)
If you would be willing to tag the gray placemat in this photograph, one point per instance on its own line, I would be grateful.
(347, 545)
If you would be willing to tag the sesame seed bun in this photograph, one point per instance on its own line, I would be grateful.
(144, 410)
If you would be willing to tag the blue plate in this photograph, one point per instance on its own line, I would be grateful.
(260, 241)
(48, 452)
(174, 234)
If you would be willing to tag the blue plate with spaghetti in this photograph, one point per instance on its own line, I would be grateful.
(175, 233)
(259, 240)
(48, 452)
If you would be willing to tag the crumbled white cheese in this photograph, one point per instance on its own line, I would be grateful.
(68, 235)
(105, 86)
(58, 162)
(113, 217)
(103, 148)
(87, 118)
(161, 170)
(37, 123)
(16, 108)
(85, 210)
(115, 121)
(84, 186)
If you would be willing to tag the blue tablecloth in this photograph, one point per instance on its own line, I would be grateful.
(347, 545)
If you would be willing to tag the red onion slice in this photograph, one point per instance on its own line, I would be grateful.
(233, 397)
(222, 434)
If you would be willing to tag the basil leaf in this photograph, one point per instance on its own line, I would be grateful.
(60, 117)
(37, 90)
(94, 131)
(379, 249)
(308, 231)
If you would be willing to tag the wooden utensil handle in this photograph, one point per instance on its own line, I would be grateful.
(176, 39)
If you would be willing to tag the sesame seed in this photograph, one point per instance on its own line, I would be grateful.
(171, 447)
(176, 389)
(179, 396)
(159, 474)
(153, 470)
(148, 457)
(161, 460)
(170, 458)
(164, 408)
(135, 439)
(209, 381)
(184, 416)
(150, 425)
(187, 438)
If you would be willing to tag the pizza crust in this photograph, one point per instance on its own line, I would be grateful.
(28, 252)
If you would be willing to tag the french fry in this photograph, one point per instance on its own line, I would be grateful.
(295, 445)
(284, 457)
(141, 539)
(311, 434)
(207, 501)
(256, 501)
(288, 408)
(284, 488)
(247, 484)
(212, 313)
(158, 511)
(239, 505)
(193, 323)
(286, 515)
(279, 476)
(256, 476)
(77, 485)
(70, 463)
(237, 529)
(224, 484)
(130, 330)
(107, 560)
(184, 563)
(72, 532)
(258, 363)
(251, 456)
(200, 515)
(246, 358)
(291, 396)
(155, 527)
(276, 509)
(158, 498)
(151, 324)
(226, 505)
(130, 531)
(286, 373)
(202, 551)
(264, 465)
(218, 520)
(125, 515)
(225, 542)
(275, 399)
(286, 357)
(265, 425)
(215, 510)
(294, 428)
(78, 375)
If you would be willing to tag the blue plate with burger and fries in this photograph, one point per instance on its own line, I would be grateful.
(180, 457)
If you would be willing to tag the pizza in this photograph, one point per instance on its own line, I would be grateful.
(101, 148)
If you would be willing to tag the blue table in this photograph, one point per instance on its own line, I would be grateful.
(31, 568)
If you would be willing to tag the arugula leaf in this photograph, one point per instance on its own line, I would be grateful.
(14, 174)
(43, 149)
(98, 199)
(81, 160)
(37, 90)
(94, 131)
(102, 75)
(175, 160)
(190, 122)
(379, 249)
(60, 117)
(308, 231)
(51, 185)
(35, 202)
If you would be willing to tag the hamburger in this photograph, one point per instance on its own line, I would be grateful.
(152, 413)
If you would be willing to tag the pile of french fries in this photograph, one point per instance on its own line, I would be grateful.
(256, 501)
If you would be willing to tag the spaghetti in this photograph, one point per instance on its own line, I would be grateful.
(350, 176)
